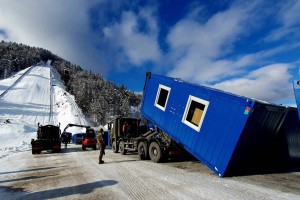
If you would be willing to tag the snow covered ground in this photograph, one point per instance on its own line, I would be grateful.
(26, 99)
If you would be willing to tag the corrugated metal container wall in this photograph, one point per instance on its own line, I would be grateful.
(288, 141)
(254, 152)
(225, 128)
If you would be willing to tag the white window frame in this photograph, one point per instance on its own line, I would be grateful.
(157, 96)
(187, 107)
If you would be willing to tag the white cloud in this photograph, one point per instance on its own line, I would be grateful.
(198, 49)
(201, 52)
(196, 46)
(290, 13)
(138, 46)
(99, 35)
(289, 18)
(59, 26)
(269, 83)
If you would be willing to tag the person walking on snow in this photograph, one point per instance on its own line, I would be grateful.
(101, 144)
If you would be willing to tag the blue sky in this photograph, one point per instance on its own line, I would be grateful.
(247, 47)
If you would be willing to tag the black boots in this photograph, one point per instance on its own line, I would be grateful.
(101, 162)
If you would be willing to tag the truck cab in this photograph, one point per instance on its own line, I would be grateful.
(48, 138)
(122, 130)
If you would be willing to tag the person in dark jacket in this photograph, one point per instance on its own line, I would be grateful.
(101, 144)
(65, 139)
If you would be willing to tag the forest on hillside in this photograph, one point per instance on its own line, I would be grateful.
(100, 100)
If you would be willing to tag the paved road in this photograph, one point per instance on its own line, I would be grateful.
(76, 174)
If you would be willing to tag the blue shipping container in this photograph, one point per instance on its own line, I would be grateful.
(228, 133)
(77, 138)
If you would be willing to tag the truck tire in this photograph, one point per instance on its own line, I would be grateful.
(83, 148)
(143, 151)
(94, 147)
(155, 152)
(115, 147)
(122, 148)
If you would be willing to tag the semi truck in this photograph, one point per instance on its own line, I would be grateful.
(122, 131)
(127, 135)
(48, 138)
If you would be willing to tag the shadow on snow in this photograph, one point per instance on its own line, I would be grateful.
(59, 192)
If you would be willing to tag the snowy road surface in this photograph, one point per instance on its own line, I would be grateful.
(75, 174)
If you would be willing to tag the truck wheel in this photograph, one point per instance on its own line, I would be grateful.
(143, 151)
(94, 147)
(122, 148)
(155, 152)
(114, 147)
(83, 148)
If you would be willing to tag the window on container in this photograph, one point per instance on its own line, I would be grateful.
(194, 113)
(162, 97)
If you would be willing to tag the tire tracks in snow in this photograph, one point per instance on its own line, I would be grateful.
(136, 183)
(158, 189)
(129, 182)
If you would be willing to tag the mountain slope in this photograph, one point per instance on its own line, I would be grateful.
(34, 95)
(99, 99)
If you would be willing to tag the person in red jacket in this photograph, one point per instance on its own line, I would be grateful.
(125, 128)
